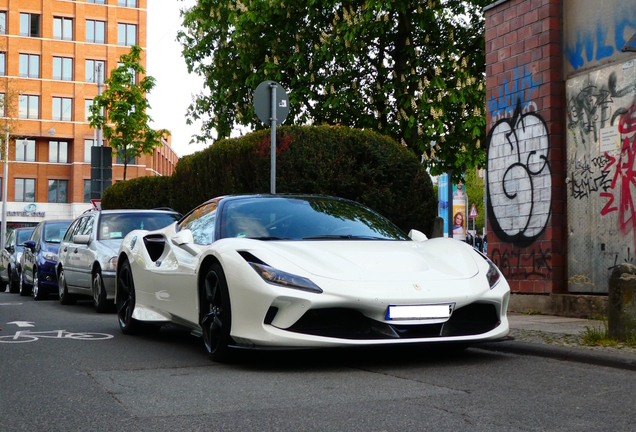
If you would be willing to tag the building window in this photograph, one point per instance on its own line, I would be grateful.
(62, 109)
(126, 34)
(3, 22)
(63, 29)
(58, 191)
(29, 25)
(87, 191)
(3, 69)
(1, 104)
(63, 68)
(91, 70)
(87, 150)
(25, 150)
(58, 152)
(120, 158)
(28, 107)
(88, 103)
(95, 1)
(127, 3)
(25, 190)
(29, 66)
(95, 31)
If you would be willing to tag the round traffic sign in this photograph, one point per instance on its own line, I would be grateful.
(263, 102)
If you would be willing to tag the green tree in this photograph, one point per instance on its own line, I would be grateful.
(410, 69)
(121, 110)
(475, 192)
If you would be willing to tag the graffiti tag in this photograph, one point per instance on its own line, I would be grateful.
(518, 91)
(517, 265)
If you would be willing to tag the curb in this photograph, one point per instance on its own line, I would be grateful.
(562, 353)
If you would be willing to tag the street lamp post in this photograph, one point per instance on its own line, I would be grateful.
(5, 181)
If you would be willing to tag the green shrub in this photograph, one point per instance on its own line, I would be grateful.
(363, 166)
(138, 193)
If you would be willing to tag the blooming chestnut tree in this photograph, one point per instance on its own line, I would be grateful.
(410, 69)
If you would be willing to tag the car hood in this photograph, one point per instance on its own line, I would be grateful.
(112, 245)
(435, 259)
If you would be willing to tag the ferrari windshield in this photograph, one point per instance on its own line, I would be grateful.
(304, 218)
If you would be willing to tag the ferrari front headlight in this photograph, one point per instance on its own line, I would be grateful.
(278, 277)
(493, 275)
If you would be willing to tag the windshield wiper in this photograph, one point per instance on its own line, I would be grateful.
(342, 237)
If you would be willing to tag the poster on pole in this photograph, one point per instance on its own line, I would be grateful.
(459, 210)
(442, 197)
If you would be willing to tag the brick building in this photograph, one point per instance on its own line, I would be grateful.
(49, 53)
(561, 117)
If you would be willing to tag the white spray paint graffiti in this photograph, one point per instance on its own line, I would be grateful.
(519, 178)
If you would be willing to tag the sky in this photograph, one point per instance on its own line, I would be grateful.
(170, 99)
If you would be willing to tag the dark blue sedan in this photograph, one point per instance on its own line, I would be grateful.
(40, 258)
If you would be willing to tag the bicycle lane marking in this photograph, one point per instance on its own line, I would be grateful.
(23, 336)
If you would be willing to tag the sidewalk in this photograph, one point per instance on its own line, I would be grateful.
(560, 338)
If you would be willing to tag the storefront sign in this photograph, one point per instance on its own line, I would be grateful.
(29, 211)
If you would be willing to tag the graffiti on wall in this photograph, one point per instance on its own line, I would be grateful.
(601, 174)
(519, 178)
(600, 40)
(514, 264)
(591, 109)
(518, 91)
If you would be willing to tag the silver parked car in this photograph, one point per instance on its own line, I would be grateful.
(88, 253)
(10, 259)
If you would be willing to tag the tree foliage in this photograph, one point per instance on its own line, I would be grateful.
(121, 110)
(413, 70)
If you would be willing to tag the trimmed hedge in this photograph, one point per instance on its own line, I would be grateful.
(363, 166)
(138, 193)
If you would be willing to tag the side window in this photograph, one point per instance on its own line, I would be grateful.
(69, 232)
(36, 236)
(201, 222)
(88, 228)
(11, 239)
(80, 227)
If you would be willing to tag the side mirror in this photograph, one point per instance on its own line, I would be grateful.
(29, 244)
(81, 239)
(185, 240)
(417, 236)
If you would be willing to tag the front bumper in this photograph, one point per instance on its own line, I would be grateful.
(354, 313)
(47, 275)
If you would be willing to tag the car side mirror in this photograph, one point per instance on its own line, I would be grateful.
(417, 236)
(81, 239)
(185, 240)
(29, 244)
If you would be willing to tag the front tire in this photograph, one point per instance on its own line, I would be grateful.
(216, 314)
(126, 300)
(14, 287)
(38, 292)
(99, 293)
(65, 297)
(24, 289)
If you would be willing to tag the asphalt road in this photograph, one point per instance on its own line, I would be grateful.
(164, 382)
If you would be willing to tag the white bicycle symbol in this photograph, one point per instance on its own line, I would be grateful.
(23, 336)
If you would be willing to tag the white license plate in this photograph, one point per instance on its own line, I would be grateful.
(405, 312)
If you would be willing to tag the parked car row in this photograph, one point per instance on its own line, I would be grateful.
(73, 259)
(270, 271)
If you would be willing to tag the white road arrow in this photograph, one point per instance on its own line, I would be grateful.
(22, 323)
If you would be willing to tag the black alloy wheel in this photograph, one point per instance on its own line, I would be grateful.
(99, 293)
(126, 300)
(215, 314)
(65, 297)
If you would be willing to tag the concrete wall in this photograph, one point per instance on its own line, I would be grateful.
(595, 32)
(526, 145)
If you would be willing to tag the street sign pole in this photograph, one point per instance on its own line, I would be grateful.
(273, 123)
